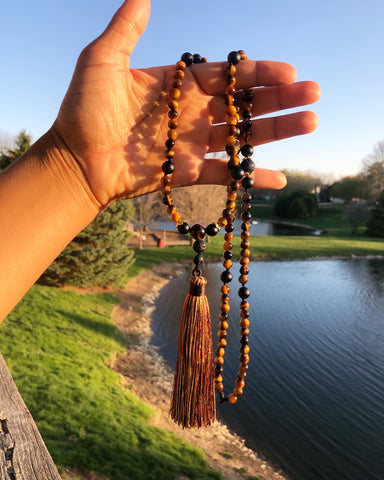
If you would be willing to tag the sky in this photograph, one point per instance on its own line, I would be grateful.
(337, 43)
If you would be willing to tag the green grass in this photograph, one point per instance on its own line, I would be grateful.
(57, 344)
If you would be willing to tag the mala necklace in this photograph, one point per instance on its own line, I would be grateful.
(197, 374)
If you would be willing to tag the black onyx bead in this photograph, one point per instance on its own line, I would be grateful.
(169, 143)
(248, 95)
(168, 167)
(246, 114)
(197, 231)
(226, 276)
(247, 125)
(237, 172)
(248, 165)
(212, 229)
(234, 57)
(247, 182)
(197, 58)
(187, 58)
(228, 255)
(199, 246)
(219, 369)
(229, 227)
(244, 292)
(183, 228)
(246, 216)
(247, 150)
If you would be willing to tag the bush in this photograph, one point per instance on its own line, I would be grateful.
(298, 204)
(375, 226)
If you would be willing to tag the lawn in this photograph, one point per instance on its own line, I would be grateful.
(58, 345)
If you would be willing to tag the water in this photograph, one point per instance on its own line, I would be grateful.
(314, 399)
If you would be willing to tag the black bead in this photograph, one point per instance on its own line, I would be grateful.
(229, 227)
(244, 292)
(248, 165)
(167, 200)
(246, 125)
(219, 369)
(197, 231)
(199, 246)
(248, 95)
(237, 172)
(244, 270)
(228, 255)
(187, 58)
(172, 113)
(169, 143)
(226, 276)
(244, 340)
(168, 167)
(197, 58)
(246, 114)
(234, 57)
(247, 150)
(212, 229)
(246, 216)
(183, 228)
(247, 182)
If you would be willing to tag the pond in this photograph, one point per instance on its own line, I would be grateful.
(314, 399)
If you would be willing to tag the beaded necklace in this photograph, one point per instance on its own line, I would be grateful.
(197, 374)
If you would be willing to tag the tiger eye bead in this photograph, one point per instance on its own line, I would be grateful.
(232, 398)
(176, 217)
(197, 231)
(179, 74)
(225, 289)
(219, 361)
(219, 387)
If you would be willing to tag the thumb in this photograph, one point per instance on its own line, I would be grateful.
(127, 26)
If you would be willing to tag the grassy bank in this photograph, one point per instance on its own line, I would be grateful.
(57, 345)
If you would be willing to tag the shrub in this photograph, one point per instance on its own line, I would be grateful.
(298, 204)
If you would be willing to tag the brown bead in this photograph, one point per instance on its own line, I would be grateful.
(220, 352)
(244, 358)
(227, 246)
(169, 154)
(223, 316)
(238, 392)
(222, 334)
(244, 322)
(245, 253)
(244, 235)
(222, 343)
(227, 264)
(177, 83)
(245, 244)
(231, 205)
(247, 197)
(223, 325)
(172, 134)
(166, 190)
(181, 65)
(228, 237)
(219, 361)
(245, 207)
(243, 368)
(232, 398)
(244, 261)
(242, 374)
(231, 110)
(240, 383)
(172, 124)
(231, 196)
(243, 279)
(222, 222)
(171, 209)
(176, 217)
(165, 180)
(225, 289)
(244, 332)
(224, 307)
(179, 74)
(244, 305)
(173, 104)
(244, 349)
(219, 387)
(233, 119)
(175, 93)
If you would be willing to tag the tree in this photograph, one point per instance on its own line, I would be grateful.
(373, 169)
(298, 204)
(299, 181)
(98, 255)
(375, 226)
(146, 208)
(22, 143)
(356, 214)
(350, 188)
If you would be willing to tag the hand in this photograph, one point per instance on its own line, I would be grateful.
(113, 120)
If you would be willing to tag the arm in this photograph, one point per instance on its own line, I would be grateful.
(108, 141)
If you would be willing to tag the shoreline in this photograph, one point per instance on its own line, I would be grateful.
(145, 372)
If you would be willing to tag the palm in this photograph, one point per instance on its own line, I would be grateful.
(122, 115)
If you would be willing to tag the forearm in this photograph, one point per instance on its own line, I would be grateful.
(44, 203)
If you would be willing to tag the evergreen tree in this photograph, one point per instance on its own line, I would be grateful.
(99, 255)
(22, 143)
(375, 226)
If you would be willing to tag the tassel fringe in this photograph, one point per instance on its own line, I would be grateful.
(193, 400)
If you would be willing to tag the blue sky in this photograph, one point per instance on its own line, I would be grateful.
(338, 43)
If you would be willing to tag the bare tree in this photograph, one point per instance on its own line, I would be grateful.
(147, 207)
(373, 168)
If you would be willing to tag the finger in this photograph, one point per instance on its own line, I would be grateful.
(271, 99)
(267, 130)
(212, 77)
(127, 26)
(215, 172)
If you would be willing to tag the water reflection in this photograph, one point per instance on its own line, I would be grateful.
(314, 396)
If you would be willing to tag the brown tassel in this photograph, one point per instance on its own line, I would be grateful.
(193, 400)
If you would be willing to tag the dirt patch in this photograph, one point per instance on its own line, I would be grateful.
(146, 373)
